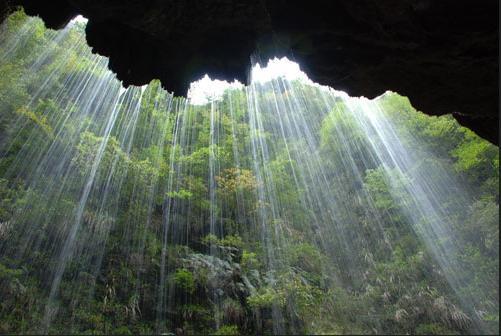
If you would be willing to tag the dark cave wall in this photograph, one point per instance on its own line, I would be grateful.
(442, 54)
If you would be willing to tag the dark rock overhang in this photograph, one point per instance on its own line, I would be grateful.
(442, 54)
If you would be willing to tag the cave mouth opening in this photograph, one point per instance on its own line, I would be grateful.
(206, 89)
(443, 56)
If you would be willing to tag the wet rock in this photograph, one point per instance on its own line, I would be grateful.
(219, 277)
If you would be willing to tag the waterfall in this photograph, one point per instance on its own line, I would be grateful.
(281, 206)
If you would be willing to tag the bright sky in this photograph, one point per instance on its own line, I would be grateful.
(203, 90)
(79, 18)
(277, 67)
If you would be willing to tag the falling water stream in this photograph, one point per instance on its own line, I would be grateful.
(111, 183)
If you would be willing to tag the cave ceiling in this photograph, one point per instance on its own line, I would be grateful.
(442, 54)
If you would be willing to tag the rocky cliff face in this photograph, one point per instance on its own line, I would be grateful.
(443, 54)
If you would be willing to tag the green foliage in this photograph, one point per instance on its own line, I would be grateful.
(181, 194)
(476, 158)
(249, 261)
(306, 257)
(340, 121)
(8, 274)
(123, 330)
(8, 198)
(230, 240)
(233, 179)
(433, 329)
(184, 280)
(227, 330)
(266, 298)
(40, 121)
(290, 291)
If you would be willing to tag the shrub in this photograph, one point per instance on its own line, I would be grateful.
(184, 280)
(227, 330)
